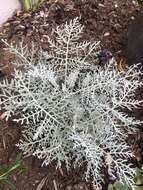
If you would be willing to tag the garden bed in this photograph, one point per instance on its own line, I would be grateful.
(106, 21)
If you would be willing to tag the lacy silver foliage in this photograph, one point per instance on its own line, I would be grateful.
(70, 108)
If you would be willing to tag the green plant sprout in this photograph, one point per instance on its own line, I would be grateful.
(30, 4)
(6, 171)
(138, 183)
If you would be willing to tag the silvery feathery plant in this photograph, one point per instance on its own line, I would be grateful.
(70, 108)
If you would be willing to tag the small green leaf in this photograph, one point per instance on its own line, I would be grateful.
(110, 187)
(120, 186)
(10, 185)
(139, 188)
(139, 177)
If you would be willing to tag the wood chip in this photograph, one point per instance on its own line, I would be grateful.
(55, 185)
(106, 34)
(2, 116)
(41, 184)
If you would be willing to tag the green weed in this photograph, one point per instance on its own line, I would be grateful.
(5, 173)
(138, 183)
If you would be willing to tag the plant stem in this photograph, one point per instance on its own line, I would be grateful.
(26, 4)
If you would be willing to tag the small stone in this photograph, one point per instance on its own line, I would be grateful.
(7, 24)
(106, 34)
(132, 18)
(116, 5)
(3, 116)
(101, 5)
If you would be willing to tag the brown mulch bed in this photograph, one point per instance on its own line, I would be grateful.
(104, 20)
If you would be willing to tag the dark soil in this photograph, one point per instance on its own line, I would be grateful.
(104, 20)
(134, 51)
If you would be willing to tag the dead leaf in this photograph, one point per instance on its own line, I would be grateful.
(121, 66)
